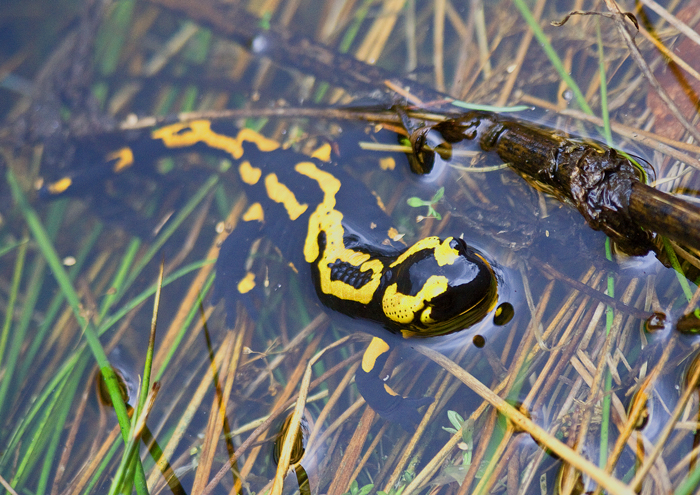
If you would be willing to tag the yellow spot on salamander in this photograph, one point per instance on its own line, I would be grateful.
(124, 159)
(402, 308)
(425, 317)
(393, 234)
(445, 254)
(280, 193)
(389, 390)
(322, 153)
(247, 283)
(199, 131)
(376, 348)
(254, 212)
(249, 174)
(387, 163)
(328, 220)
(426, 243)
(60, 185)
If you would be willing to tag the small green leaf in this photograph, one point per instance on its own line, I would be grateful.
(457, 473)
(449, 430)
(438, 195)
(265, 21)
(433, 213)
(467, 431)
(455, 419)
(415, 202)
(365, 489)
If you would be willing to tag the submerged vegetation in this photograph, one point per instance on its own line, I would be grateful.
(591, 385)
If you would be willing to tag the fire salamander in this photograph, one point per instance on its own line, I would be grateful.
(336, 232)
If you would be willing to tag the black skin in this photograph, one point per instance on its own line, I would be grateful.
(472, 287)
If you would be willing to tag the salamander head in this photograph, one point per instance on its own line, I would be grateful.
(438, 287)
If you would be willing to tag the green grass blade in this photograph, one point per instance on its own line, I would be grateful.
(354, 28)
(117, 284)
(112, 36)
(690, 484)
(146, 382)
(169, 230)
(605, 416)
(36, 407)
(58, 426)
(185, 325)
(128, 455)
(42, 434)
(11, 247)
(189, 99)
(90, 488)
(148, 293)
(54, 220)
(197, 51)
(9, 312)
(56, 303)
(552, 55)
(603, 89)
(609, 311)
(71, 296)
(680, 275)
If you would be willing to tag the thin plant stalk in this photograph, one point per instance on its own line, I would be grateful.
(47, 249)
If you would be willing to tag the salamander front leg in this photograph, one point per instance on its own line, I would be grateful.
(380, 397)
(233, 282)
